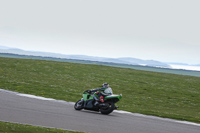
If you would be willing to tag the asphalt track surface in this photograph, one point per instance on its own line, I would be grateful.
(25, 109)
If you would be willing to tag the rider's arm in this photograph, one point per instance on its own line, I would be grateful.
(98, 89)
(94, 90)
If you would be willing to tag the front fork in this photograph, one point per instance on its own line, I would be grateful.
(81, 101)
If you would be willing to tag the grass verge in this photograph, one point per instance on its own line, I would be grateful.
(6, 127)
(151, 93)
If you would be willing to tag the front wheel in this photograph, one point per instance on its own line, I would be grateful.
(79, 105)
(108, 109)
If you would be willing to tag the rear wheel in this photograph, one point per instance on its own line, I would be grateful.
(79, 105)
(108, 109)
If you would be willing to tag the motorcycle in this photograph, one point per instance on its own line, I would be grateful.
(88, 103)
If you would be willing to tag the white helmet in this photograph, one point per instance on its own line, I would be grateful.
(105, 85)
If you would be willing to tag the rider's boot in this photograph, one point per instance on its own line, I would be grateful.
(96, 102)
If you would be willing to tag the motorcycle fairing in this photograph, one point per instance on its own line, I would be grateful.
(113, 96)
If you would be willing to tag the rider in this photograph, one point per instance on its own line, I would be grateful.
(104, 91)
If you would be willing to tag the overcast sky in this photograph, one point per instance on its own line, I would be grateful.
(163, 30)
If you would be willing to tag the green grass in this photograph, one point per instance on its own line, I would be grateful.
(6, 127)
(151, 93)
(137, 67)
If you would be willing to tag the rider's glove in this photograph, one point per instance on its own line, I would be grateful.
(89, 91)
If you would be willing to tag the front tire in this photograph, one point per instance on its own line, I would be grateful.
(109, 109)
(79, 105)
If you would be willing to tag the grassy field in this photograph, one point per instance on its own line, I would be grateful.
(151, 93)
(137, 67)
(6, 127)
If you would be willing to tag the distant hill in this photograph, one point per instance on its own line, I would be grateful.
(128, 60)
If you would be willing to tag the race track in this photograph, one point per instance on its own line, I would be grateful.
(27, 109)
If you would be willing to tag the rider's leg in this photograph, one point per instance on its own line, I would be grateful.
(96, 99)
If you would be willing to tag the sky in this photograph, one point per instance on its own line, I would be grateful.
(162, 30)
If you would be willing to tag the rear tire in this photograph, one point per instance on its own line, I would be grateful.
(79, 105)
(108, 109)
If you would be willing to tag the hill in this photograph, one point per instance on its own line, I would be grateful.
(129, 61)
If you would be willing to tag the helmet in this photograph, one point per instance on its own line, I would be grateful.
(105, 85)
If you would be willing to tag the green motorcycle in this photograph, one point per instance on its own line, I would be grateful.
(88, 103)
